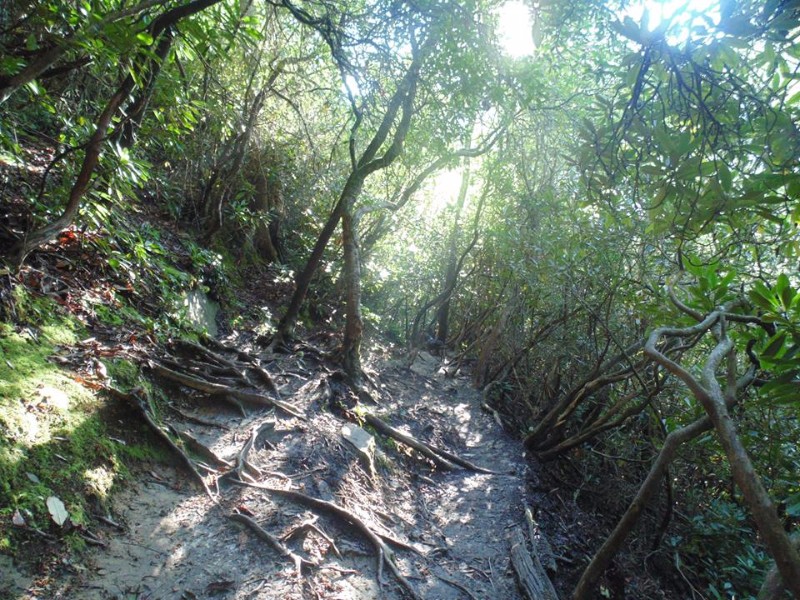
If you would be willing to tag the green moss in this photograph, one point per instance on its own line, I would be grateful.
(123, 373)
(55, 436)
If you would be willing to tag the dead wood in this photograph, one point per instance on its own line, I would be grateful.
(539, 543)
(529, 570)
(385, 555)
(215, 388)
(273, 542)
(135, 400)
(442, 458)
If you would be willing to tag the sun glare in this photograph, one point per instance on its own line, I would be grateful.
(514, 29)
(443, 190)
(680, 16)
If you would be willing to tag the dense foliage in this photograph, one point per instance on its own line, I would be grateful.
(542, 217)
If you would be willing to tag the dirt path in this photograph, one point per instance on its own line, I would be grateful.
(454, 526)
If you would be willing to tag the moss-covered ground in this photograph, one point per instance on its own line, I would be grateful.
(59, 435)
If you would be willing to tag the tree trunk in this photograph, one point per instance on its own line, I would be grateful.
(709, 393)
(603, 557)
(94, 146)
(267, 200)
(402, 100)
(351, 191)
(91, 158)
(354, 326)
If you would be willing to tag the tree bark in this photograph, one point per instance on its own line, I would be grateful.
(94, 146)
(91, 158)
(403, 99)
(302, 281)
(710, 395)
(354, 326)
(603, 557)
(267, 201)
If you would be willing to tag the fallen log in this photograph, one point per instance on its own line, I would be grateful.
(532, 577)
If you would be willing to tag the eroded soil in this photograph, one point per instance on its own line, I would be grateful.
(174, 542)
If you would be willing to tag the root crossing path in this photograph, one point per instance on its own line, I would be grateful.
(293, 504)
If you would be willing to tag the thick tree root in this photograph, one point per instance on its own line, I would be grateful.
(215, 388)
(135, 400)
(311, 525)
(195, 419)
(200, 449)
(244, 469)
(385, 555)
(442, 458)
(408, 440)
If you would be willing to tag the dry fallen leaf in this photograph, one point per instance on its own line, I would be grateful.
(18, 520)
(57, 510)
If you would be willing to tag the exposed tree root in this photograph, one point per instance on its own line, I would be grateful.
(408, 440)
(136, 401)
(385, 554)
(252, 362)
(442, 458)
(215, 388)
(244, 469)
(456, 585)
(195, 419)
(273, 542)
(203, 451)
(311, 525)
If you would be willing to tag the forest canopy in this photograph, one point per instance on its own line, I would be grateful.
(593, 205)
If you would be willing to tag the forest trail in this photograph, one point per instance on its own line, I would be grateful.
(452, 529)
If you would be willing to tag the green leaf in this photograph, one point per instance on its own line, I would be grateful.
(144, 38)
(725, 179)
(775, 344)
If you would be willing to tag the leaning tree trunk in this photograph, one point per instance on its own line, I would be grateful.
(603, 557)
(94, 147)
(402, 101)
(708, 392)
(91, 159)
(303, 280)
